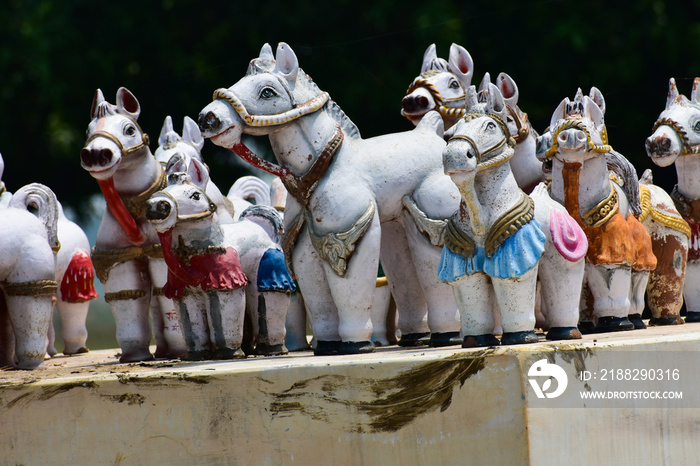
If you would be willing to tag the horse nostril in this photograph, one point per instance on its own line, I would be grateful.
(158, 210)
(208, 122)
(86, 157)
(104, 157)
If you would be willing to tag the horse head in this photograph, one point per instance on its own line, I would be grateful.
(184, 199)
(677, 130)
(578, 128)
(480, 140)
(171, 143)
(442, 85)
(114, 138)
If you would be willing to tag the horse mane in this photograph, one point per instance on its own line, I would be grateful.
(349, 128)
(618, 164)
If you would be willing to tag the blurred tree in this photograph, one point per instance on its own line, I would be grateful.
(172, 54)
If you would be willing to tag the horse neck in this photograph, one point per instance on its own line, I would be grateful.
(298, 144)
(584, 191)
(138, 174)
(688, 171)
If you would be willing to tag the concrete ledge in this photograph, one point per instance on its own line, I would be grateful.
(421, 406)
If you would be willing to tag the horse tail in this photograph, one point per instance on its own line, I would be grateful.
(44, 200)
(268, 218)
(251, 187)
(622, 167)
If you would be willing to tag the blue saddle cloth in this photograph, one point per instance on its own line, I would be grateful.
(514, 258)
(273, 274)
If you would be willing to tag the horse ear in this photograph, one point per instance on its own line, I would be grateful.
(559, 113)
(598, 98)
(594, 112)
(97, 99)
(192, 134)
(167, 127)
(199, 173)
(127, 103)
(695, 93)
(429, 56)
(266, 52)
(287, 62)
(495, 99)
(485, 81)
(508, 88)
(176, 164)
(461, 64)
(672, 92)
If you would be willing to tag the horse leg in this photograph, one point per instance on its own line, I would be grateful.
(475, 299)
(516, 300)
(560, 283)
(308, 267)
(7, 334)
(610, 290)
(665, 287)
(404, 285)
(443, 317)
(170, 342)
(691, 291)
(30, 317)
(51, 338)
(226, 312)
(192, 311)
(295, 337)
(380, 312)
(639, 282)
(127, 290)
(73, 329)
(353, 293)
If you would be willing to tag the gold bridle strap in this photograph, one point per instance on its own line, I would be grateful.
(486, 159)
(520, 123)
(191, 217)
(306, 108)
(444, 111)
(680, 132)
(145, 140)
(576, 124)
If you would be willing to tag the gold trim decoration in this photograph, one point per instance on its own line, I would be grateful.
(104, 259)
(667, 220)
(457, 240)
(601, 213)
(136, 205)
(185, 252)
(509, 223)
(32, 288)
(337, 248)
(124, 295)
(382, 282)
(433, 229)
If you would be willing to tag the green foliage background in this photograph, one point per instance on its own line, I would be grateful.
(173, 53)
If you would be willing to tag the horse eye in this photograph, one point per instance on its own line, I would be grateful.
(267, 93)
(130, 130)
(195, 195)
(454, 84)
(490, 126)
(696, 128)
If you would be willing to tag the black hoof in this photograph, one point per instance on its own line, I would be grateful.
(478, 341)
(198, 355)
(414, 339)
(518, 338)
(326, 348)
(438, 340)
(586, 327)
(136, 356)
(613, 324)
(637, 321)
(692, 316)
(81, 350)
(563, 333)
(654, 321)
(356, 347)
(271, 350)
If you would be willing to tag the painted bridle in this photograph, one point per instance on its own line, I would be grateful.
(440, 107)
(125, 151)
(577, 123)
(493, 155)
(682, 134)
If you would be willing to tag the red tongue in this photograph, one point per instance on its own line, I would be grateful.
(118, 209)
(247, 155)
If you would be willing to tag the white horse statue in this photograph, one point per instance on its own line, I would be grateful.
(676, 139)
(27, 275)
(127, 254)
(501, 240)
(445, 86)
(600, 190)
(218, 271)
(75, 276)
(348, 196)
